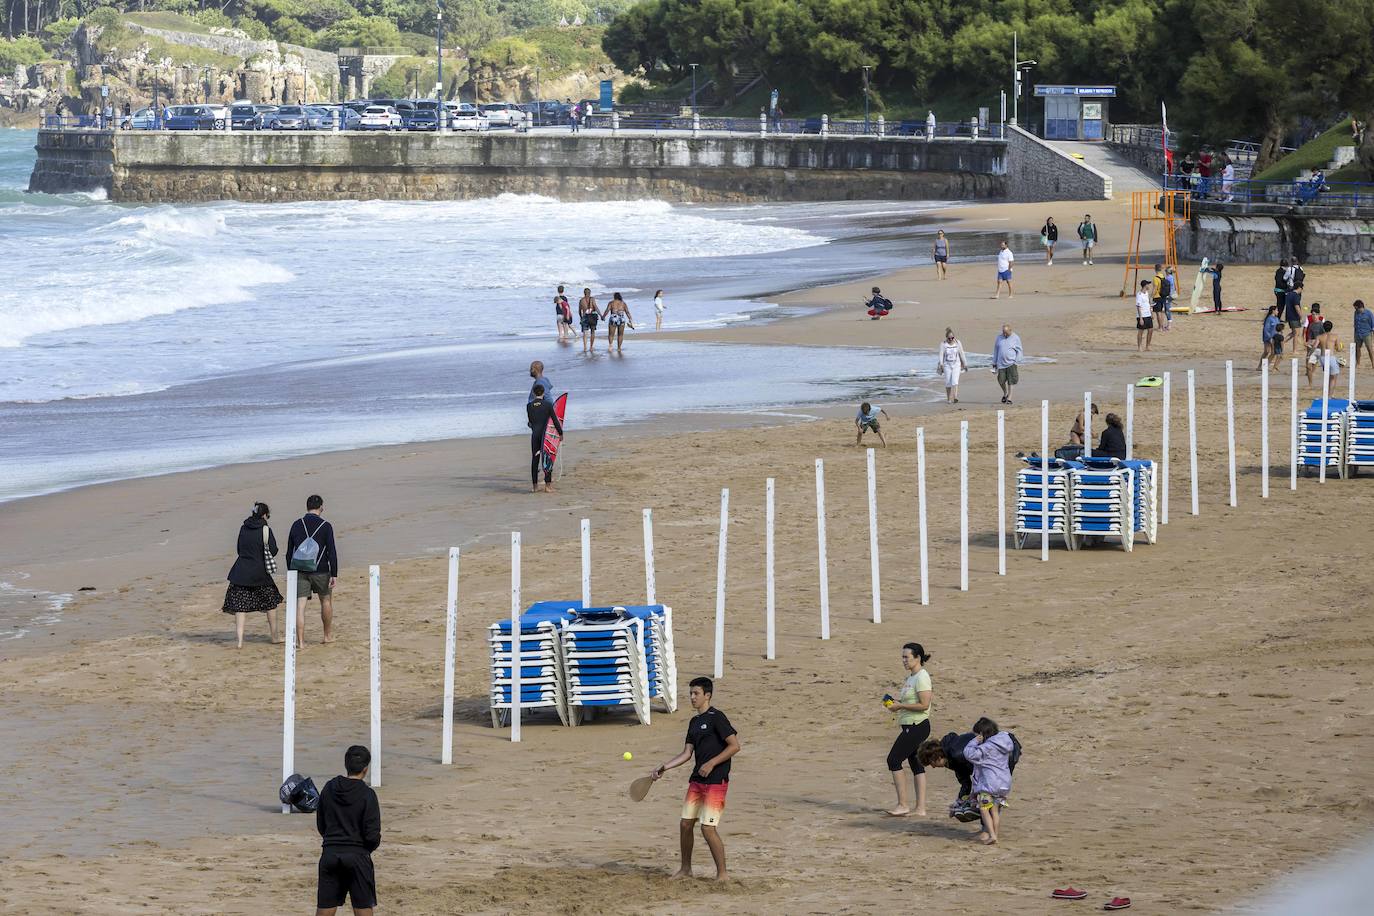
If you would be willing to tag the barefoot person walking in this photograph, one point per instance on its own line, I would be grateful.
(713, 741)
(310, 551)
(251, 587)
(1005, 260)
(940, 252)
(589, 314)
(617, 315)
(912, 706)
(539, 412)
(951, 364)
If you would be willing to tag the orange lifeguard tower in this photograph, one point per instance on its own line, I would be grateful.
(1173, 209)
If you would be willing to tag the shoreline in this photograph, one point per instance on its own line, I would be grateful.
(1146, 687)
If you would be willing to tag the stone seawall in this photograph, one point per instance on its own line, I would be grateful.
(203, 166)
(1038, 171)
(1266, 239)
(73, 161)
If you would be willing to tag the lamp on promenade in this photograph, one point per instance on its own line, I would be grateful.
(694, 87)
(1017, 66)
(439, 46)
(866, 69)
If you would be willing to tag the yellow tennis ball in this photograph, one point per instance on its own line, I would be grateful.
(627, 756)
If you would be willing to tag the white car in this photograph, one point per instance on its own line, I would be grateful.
(505, 114)
(380, 117)
(464, 116)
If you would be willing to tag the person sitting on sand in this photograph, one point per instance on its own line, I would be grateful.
(617, 315)
(867, 419)
(1077, 430)
(1113, 441)
(990, 753)
(713, 741)
(912, 706)
(948, 752)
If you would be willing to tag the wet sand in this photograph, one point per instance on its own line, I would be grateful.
(1195, 714)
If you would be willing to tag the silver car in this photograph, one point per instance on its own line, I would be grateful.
(286, 117)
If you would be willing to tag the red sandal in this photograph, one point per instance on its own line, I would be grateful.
(1068, 893)
(1117, 903)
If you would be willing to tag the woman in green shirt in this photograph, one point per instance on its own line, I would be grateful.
(912, 707)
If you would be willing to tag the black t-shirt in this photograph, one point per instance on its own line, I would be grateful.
(706, 734)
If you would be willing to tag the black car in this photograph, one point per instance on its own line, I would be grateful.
(421, 119)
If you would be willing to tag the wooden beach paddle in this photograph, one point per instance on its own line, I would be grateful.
(640, 787)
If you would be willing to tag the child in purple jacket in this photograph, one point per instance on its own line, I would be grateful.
(990, 753)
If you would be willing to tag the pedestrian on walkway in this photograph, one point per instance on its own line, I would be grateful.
(1049, 237)
(1087, 234)
(1006, 357)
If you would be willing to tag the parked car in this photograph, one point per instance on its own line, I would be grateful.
(505, 114)
(143, 119)
(551, 112)
(422, 119)
(243, 115)
(285, 117)
(464, 116)
(194, 117)
(380, 117)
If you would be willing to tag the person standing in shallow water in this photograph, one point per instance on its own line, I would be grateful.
(251, 587)
(617, 316)
(589, 315)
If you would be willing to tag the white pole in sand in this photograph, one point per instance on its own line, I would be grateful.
(1045, 481)
(1326, 413)
(1264, 432)
(963, 505)
(450, 649)
(650, 583)
(1130, 422)
(1231, 433)
(516, 643)
(1351, 395)
(820, 541)
(921, 511)
(586, 562)
(873, 537)
(768, 559)
(1164, 459)
(1001, 493)
(1192, 439)
(720, 584)
(374, 616)
(288, 715)
(1293, 433)
(1087, 424)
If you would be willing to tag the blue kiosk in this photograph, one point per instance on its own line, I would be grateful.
(1075, 112)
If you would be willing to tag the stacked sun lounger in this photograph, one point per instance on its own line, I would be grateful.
(1102, 500)
(603, 655)
(1359, 436)
(542, 681)
(1032, 490)
(660, 656)
(1144, 498)
(1316, 429)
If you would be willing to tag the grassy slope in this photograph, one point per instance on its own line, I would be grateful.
(1314, 154)
(172, 22)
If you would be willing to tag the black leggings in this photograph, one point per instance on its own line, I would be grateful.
(904, 748)
(537, 459)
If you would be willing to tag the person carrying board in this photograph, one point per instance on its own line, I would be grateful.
(541, 412)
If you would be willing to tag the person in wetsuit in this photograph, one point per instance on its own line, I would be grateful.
(540, 411)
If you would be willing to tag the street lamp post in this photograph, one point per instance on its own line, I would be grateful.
(1017, 65)
(694, 88)
(439, 45)
(866, 69)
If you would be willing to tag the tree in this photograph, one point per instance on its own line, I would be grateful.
(360, 31)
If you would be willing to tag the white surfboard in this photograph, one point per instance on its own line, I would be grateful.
(1197, 288)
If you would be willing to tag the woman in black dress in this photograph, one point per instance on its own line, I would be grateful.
(251, 588)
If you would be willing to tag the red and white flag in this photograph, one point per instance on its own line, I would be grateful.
(1164, 138)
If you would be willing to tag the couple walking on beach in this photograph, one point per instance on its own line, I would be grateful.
(590, 314)
(952, 362)
(310, 553)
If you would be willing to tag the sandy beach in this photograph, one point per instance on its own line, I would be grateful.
(1195, 714)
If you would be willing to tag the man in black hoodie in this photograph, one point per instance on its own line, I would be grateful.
(350, 821)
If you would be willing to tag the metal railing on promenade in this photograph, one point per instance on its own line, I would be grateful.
(1309, 193)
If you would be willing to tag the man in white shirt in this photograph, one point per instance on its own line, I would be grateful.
(1004, 262)
(1144, 319)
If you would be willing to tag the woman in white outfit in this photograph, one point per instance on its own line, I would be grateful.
(952, 363)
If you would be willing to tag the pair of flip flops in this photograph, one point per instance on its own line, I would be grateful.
(1073, 893)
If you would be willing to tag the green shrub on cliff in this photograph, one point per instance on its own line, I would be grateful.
(56, 34)
(19, 52)
(359, 31)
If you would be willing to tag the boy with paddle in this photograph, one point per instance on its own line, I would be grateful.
(713, 741)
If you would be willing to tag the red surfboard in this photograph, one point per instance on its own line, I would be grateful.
(553, 440)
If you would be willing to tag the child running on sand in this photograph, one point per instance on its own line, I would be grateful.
(867, 419)
(990, 753)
